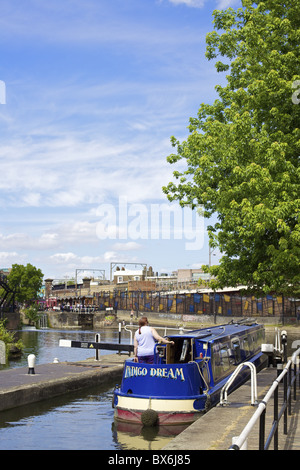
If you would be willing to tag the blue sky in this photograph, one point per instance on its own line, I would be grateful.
(94, 90)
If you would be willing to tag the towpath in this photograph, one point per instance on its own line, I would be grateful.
(18, 388)
(216, 429)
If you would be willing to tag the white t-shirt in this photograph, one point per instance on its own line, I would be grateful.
(145, 341)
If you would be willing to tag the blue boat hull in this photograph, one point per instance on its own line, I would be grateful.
(187, 377)
(174, 396)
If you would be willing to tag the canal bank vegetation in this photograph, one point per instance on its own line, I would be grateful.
(13, 348)
(33, 315)
(26, 283)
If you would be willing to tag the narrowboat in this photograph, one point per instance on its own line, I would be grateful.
(186, 377)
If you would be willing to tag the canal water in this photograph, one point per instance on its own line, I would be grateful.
(79, 420)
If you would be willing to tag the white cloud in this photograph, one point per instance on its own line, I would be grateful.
(73, 172)
(110, 256)
(93, 96)
(75, 143)
(69, 260)
(189, 3)
(23, 241)
(223, 4)
(7, 258)
(69, 233)
(63, 257)
(129, 246)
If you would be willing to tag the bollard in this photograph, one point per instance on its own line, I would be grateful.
(284, 344)
(2, 353)
(97, 340)
(120, 331)
(31, 364)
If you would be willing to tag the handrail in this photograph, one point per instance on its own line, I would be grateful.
(223, 401)
(128, 331)
(180, 328)
(260, 412)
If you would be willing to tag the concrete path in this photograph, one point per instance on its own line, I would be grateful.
(18, 388)
(216, 429)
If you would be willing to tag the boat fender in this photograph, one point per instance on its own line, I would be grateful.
(149, 417)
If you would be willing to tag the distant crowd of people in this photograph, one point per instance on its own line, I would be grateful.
(72, 308)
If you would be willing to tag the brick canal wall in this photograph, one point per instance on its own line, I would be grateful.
(13, 320)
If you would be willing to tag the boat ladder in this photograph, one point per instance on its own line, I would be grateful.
(223, 395)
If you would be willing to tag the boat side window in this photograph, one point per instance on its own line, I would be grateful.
(246, 345)
(224, 358)
(258, 339)
(235, 356)
(220, 361)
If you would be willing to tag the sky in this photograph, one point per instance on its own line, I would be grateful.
(91, 92)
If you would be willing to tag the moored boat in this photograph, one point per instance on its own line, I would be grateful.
(186, 377)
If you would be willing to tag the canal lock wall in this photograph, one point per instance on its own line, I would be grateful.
(72, 320)
(101, 319)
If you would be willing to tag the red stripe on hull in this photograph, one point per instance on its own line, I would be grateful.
(165, 419)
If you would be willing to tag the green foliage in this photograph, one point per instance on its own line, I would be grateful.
(5, 335)
(9, 339)
(26, 281)
(242, 151)
(33, 314)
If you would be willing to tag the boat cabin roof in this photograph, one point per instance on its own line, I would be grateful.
(220, 332)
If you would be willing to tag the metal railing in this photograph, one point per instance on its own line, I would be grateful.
(180, 330)
(288, 377)
(223, 395)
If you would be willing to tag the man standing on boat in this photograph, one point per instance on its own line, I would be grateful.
(144, 342)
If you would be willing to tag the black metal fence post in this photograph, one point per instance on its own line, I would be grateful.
(262, 424)
(290, 391)
(295, 381)
(288, 378)
(285, 384)
(276, 418)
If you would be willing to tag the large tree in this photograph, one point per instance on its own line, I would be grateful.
(26, 281)
(241, 157)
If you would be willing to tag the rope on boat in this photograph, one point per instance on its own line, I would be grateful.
(208, 398)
